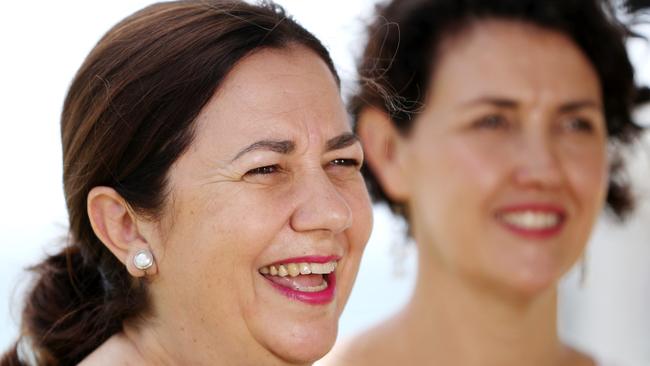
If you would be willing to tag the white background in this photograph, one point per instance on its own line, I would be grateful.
(42, 43)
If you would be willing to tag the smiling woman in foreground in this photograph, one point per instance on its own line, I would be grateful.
(217, 212)
(493, 127)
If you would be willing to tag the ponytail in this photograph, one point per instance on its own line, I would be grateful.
(73, 308)
(10, 358)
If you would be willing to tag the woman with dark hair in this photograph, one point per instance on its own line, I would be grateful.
(493, 128)
(217, 212)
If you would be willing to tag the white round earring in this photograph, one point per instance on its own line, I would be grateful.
(143, 259)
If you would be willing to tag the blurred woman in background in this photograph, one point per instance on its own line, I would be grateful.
(493, 127)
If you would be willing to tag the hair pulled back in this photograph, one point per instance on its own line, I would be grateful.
(404, 43)
(129, 114)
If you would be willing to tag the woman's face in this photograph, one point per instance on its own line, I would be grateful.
(506, 167)
(268, 192)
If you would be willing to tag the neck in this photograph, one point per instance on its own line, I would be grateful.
(457, 322)
(155, 343)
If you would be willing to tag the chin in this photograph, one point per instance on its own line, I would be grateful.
(304, 346)
(535, 286)
(527, 273)
(531, 282)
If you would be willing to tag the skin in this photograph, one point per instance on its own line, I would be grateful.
(513, 116)
(232, 210)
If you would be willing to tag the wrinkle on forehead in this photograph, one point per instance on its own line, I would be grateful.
(295, 67)
(273, 94)
(292, 77)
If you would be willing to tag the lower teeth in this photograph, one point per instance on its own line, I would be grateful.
(320, 287)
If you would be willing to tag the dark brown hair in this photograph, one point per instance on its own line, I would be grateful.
(129, 114)
(405, 40)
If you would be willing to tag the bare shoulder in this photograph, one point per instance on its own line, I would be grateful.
(376, 346)
(579, 358)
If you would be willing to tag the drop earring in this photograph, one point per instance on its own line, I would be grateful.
(583, 270)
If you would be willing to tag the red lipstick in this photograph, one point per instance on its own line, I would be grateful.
(314, 298)
(295, 287)
(528, 225)
(308, 259)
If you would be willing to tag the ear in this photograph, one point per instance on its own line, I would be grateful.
(384, 150)
(116, 226)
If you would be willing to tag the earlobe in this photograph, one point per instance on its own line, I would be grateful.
(116, 226)
(383, 146)
(141, 262)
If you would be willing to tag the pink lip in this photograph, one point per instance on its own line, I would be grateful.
(544, 233)
(308, 259)
(313, 298)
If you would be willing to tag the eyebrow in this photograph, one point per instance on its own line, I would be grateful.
(580, 104)
(512, 104)
(495, 101)
(286, 146)
(278, 146)
(341, 141)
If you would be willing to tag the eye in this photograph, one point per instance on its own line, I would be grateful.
(264, 170)
(492, 122)
(346, 163)
(580, 125)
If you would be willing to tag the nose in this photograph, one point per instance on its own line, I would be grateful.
(538, 162)
(321, 206)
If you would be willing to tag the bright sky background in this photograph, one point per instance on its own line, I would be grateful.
(44, 42)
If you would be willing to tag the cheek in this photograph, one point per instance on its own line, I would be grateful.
(362, 219)
(453, 184)
(355, 237)
(588, 176)
(214, 239)
(456, 176)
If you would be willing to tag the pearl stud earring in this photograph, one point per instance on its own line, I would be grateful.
(143, 259)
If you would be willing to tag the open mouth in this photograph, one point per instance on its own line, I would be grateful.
(311, 280)
(533, 223)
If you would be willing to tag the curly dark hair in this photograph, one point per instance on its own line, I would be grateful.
(404, 42)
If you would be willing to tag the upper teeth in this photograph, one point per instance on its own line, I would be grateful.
(295, 269)
(532, 219)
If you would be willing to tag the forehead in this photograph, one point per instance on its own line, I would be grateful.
(273, 93)
(514, 58)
